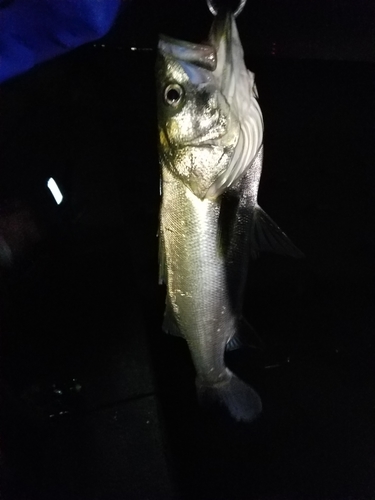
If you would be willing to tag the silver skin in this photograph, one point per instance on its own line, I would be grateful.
(210, 130)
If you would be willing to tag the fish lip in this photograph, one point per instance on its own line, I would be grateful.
(169, 40)
(204, 54)
(200, 54)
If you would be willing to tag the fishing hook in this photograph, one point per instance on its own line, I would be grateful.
(236, 13)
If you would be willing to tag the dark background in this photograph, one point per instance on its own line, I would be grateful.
(97, 403)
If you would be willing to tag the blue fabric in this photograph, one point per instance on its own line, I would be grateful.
(32, 31)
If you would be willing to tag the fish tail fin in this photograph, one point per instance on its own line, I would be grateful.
(236, 397)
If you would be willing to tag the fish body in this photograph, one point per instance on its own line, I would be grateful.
(211, 136)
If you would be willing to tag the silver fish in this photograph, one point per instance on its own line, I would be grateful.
(211, 149)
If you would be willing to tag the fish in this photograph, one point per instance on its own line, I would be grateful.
(210, 151)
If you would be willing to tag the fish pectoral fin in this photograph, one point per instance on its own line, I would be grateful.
(170, 325)
(162, 263)
(245, 337)
(268, 237)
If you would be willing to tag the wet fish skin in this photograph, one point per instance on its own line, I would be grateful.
(211, 130)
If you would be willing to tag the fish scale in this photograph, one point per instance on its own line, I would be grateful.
(211, 130)
(196, 277)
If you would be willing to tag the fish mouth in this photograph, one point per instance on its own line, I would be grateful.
(204, 55)
(223, 36)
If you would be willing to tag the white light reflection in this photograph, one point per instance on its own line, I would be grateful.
(144, 49)
(54, 188)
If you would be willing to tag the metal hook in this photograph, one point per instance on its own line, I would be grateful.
(236, 13)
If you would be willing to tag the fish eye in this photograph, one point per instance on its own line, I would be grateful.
(173, 94)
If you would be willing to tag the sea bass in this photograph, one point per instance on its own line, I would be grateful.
(211, 149)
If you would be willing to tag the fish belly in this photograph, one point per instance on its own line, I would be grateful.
(195, 269)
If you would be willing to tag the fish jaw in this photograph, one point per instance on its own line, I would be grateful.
(192, 164)
(200, 54)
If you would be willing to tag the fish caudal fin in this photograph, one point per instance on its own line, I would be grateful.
(268, 237)
(234, 396)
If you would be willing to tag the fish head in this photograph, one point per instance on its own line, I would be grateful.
(191, 108)
(199, 106)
